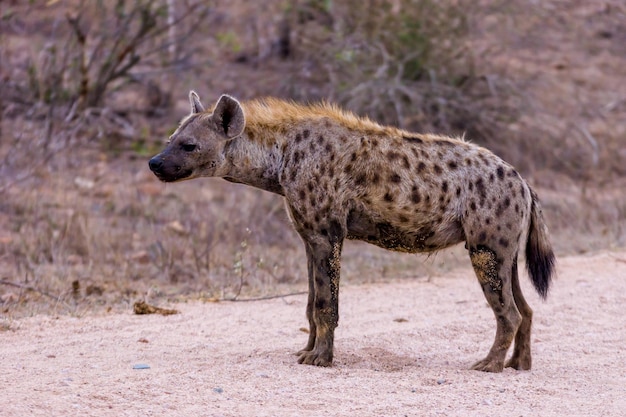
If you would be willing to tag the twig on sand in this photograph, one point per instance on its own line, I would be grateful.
(269, 297)
(4, 281)
(616, 259)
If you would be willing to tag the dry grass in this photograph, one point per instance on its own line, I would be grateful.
(84, 225)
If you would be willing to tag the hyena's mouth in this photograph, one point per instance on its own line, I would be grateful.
(173, 177)
(167, 172)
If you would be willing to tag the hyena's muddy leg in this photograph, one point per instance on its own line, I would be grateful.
(325, 252)
(495, 278)
(310, 302)
(521, 358)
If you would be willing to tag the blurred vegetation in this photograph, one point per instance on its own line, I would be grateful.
(405, 63)
(98, 47)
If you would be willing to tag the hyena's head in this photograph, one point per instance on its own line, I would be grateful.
(196, 148)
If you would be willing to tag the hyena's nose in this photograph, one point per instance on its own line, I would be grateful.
(156, 164)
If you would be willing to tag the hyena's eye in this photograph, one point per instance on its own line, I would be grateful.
(188, 147)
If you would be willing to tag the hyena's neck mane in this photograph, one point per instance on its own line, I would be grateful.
(270, 119)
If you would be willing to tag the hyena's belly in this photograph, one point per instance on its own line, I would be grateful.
(411, 237)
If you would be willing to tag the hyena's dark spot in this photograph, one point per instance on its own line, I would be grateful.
(444, 143)
(412, 139)
(452, 165)
(482, 191)
(421, 167)
(395, 178)
(415, 195)
(306, 133)
(361, 179)
(393, 155)
(500, 172)
(388, 197)
(437, 169)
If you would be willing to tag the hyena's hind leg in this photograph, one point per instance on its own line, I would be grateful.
(521, 358)
(495, 279)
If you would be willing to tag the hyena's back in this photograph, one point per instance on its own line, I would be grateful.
(416, 193)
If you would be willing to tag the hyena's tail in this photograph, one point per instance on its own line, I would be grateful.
(540, 260)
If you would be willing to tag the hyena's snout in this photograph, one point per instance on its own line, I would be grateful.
(167, 169)
(156, 164)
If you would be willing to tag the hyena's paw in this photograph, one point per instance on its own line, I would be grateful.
(488, 365)
(317, 358)
(308, 348)
(521, 363)
(303, 351)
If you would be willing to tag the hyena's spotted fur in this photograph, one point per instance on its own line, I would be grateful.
(345, 177)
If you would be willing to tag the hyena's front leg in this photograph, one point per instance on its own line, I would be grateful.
(325, 254)
(310, 302)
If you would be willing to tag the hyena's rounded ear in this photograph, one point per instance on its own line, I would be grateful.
(194, 100)
(228, 116)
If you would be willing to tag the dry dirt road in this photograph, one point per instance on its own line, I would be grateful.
(402, 348)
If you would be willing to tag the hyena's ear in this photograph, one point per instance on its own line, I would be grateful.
(228, 117)
(194, 100)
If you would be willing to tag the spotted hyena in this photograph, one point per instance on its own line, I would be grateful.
(347, 177)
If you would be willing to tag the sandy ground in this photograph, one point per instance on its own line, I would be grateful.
(402, 348)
